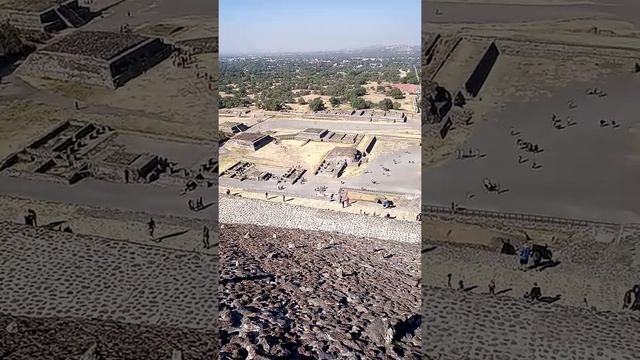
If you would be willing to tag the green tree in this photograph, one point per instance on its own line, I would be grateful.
(335, 102)
(359, 91)
(10, 41)
(386, 104)
(359, 103)
(271, 105)
(302, 101)
(380, 89)
(316, 104)
(396, 94)
(396, 105)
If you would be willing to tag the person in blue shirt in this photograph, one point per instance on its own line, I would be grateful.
(525, 252)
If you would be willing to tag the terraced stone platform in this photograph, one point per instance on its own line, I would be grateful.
(56, 274)
(248, 211)
(460, 325)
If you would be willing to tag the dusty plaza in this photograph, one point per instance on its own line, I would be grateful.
(530, 146)
(108, 161)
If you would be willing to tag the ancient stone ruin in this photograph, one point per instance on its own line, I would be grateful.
(250, 140)
(45, 15)
(73, 150)
(337, 161)
(96, 58)
(316, 134)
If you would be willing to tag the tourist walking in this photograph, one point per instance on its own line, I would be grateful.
(126, 176)
(205, 237)
(283, 198)
(151, 227)
(492, 287)
(266, 196)
(449, 280)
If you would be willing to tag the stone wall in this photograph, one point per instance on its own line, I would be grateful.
(68, 68)
(23, 19)
(482, 70)
(138, 61)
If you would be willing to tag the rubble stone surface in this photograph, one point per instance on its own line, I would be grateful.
(314, 295)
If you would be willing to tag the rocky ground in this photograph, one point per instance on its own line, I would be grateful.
(26, 338)
(462, 325)
(612, 269)
(55, 274)
(287, 294)
(249, 211)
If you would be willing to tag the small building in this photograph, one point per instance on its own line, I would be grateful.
(231, 127)
(97, 58)
(344, 153)
(314, 134)
(250, 140)
(44, 15)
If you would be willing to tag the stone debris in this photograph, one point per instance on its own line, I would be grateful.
(326, 303)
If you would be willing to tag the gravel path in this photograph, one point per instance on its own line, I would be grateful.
(237, 210)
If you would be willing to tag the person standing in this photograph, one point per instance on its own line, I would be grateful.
(151, 227)
(205, 237)
(492, 287)
(524, 257)
(34, 220)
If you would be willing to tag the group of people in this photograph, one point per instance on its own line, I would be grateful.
(491, 186)
(468, 154)
(534, 252)
(196, 205)
(182, 59)
(557, 122)
(596, 91)
(605, 123)
(125, 29)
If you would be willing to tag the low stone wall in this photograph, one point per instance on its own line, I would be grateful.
(257, 212)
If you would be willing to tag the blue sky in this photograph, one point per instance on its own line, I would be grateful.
(258, 26)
